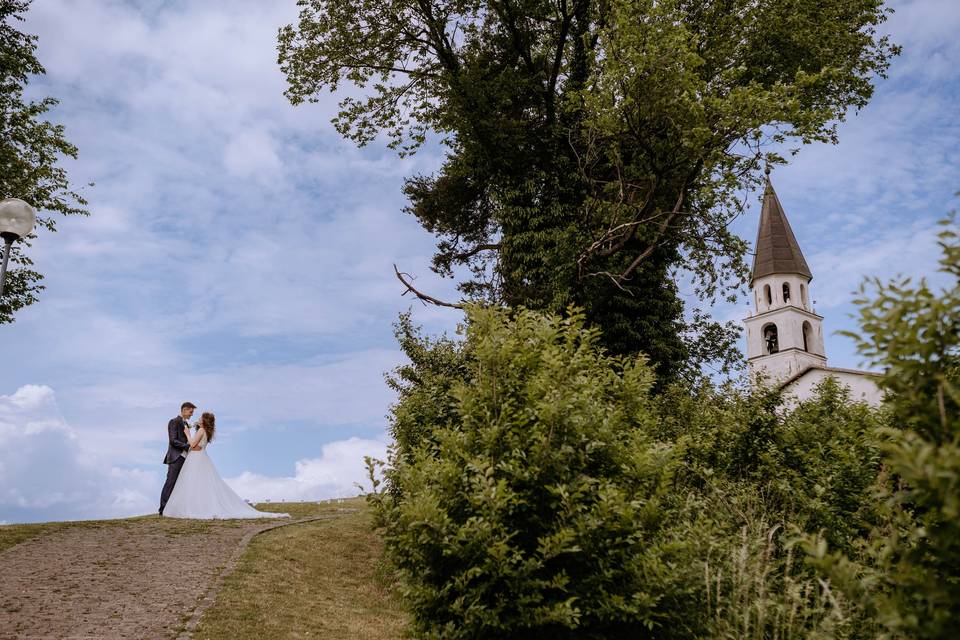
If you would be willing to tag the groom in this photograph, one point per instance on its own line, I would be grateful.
(176, 451)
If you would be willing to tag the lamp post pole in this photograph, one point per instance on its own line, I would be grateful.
(16, 221)
(7, 242)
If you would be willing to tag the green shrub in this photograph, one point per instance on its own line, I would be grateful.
(750, 476)
(814, 466)
(538, 489)
(424, 385)
(533, 512)
(907, 573)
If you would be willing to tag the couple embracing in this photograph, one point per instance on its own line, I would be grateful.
(193, 488)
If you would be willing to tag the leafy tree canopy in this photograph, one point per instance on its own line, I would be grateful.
(595, 147)
(30, 152)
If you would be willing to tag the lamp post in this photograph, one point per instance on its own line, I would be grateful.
(16, 221)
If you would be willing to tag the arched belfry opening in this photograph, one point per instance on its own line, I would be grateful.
(771, 341)
(786, 292)
(807, 335)
(768, 294)
(803, 296)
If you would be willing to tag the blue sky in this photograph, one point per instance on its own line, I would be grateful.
(239, 253)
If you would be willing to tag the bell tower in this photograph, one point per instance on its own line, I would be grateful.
(784, 335)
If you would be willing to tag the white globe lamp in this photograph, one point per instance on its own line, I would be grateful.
(17, 219)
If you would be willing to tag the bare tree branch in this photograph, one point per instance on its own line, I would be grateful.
(615, 279)
(656, 241)
(424, 298)
(616, 237)
(628, 272)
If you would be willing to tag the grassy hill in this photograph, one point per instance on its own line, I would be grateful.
(320, 578)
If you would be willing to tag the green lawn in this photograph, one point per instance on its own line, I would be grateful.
(315, 580)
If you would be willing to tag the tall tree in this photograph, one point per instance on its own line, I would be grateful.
(596, 148)
(31, 149)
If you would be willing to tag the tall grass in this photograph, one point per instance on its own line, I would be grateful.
(759, 590)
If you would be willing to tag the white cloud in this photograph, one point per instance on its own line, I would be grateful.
(253, 154)
(334, 474)
(26, 398)
(45, 473)
(906, 251)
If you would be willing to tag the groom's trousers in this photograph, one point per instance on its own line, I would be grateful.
(173, 471)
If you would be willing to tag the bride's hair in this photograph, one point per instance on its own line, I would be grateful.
(208, 422)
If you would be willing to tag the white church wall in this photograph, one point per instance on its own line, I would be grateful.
(781, 366)
(862, 386)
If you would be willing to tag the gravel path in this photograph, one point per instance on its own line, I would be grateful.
(138, 578)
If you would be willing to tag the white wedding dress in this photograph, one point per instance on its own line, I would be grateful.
(201, 493)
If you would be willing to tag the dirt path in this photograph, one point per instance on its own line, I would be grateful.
(139, 578)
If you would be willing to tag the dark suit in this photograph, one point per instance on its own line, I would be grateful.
(178, 444)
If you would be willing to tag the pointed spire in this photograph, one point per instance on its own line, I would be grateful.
(776, 249)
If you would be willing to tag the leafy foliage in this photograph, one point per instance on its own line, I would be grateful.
(750, 474)
(30, 149)
(530, 511)
(814, 466)
(595, 147)
(907, 574)
(538, 489)
(424, 386)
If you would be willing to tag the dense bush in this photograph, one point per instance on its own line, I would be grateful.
(534, 508)
(540, 489)
(814, 465)
(750, 476)
(906, 575)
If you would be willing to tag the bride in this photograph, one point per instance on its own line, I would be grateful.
(200, 492)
